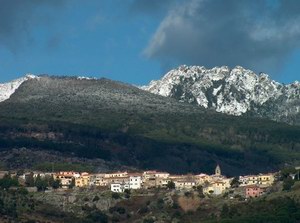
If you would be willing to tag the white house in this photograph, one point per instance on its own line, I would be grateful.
(135, 182)
(184, 184)
(119, 187)
(217, 187)
(248, 180)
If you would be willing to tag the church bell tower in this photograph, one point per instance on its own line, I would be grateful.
(218, 171)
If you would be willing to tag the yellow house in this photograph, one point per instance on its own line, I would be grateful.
(266, 179)
(83, 180)
(261, 179)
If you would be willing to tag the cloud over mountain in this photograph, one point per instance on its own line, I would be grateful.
(258, 34)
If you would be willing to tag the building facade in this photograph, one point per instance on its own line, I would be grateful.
(253, 191)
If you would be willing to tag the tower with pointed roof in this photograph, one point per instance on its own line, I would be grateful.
(218, 171)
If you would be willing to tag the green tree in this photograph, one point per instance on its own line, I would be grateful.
(40, 183)
(7, 181)
(171, 185)
(115, 195)
(199, 189)
(225, 211)
(55, 184)
(285, 172)
(29, 180)
(98, 216)
(72, 183)
(235, 182)
(96, 198)
(127, 193)
(288, 183)
(148, 220)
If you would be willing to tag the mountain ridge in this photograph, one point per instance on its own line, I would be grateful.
(236, 91)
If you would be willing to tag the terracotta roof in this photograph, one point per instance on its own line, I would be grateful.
(116, 178)
(135, 174)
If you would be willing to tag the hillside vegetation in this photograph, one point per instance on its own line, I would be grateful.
(121, 123)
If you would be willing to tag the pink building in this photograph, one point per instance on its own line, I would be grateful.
(253, 191)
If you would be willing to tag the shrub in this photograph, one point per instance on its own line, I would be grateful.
(188, 194)
(119, 210)
(96, 198)
(171, 185)
(288, 183)
(22, 191)
(98, 216)
(115, 196)
(148, 220)
(160, 203)
(143, 210)
(175, 205)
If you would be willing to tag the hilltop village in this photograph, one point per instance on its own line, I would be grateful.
(119, 182)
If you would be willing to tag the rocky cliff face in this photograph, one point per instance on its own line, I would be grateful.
(235, 91)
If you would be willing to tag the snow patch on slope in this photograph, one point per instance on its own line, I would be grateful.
(86, 78)
(7, 89)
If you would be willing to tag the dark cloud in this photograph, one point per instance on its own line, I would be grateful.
(18, 17)
(257, 34)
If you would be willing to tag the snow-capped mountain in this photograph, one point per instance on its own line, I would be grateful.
(7, 89)
(232, 91)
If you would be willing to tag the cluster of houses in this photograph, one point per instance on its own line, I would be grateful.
(216, 184)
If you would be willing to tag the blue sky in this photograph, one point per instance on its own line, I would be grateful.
(135, 41)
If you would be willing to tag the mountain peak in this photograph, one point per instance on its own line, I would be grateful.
(30, 76)
(231, 91)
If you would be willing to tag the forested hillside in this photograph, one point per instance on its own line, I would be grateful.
(123, 124)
